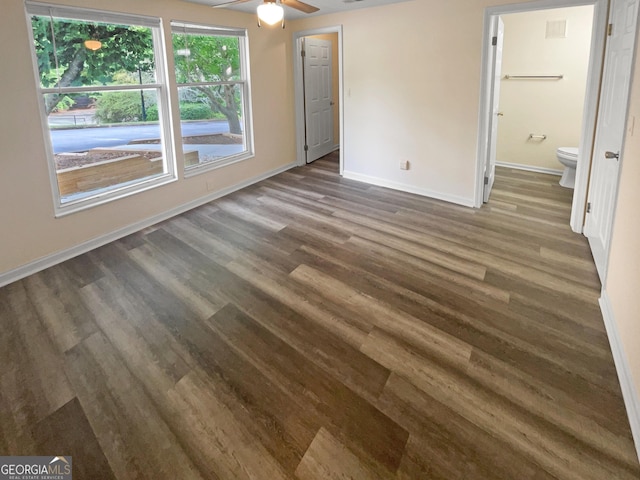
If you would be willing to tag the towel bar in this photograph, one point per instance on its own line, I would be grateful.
(541, 77)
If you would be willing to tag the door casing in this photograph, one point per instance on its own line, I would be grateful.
(600, 18)
(298, 80)
(497, 33)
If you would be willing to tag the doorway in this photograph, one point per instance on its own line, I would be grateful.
(488, 117)
(545, 63)
(603, 126)
(319, 83)
(318, 94)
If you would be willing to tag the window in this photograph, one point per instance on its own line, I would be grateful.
(102, 88)
(213, 91)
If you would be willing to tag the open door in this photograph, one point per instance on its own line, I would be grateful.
(497, 42)
(605, 168)
(318, 98)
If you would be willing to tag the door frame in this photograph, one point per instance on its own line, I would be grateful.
(495, 60)
(592, 96)
(298, 79)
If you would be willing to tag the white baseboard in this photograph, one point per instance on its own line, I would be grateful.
(58, 257)
(530, 168)
(629, 390)
(380, 182)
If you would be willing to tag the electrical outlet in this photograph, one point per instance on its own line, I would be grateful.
(404, 164)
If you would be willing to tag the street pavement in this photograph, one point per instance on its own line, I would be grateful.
(83, 139)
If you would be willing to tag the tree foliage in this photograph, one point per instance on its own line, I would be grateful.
(206, 58)
(124, 47)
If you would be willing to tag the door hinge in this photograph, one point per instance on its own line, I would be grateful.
(494, 41)
(306, 148)
(610, 29)
(486, 180)
(588, 207)
(303, 52)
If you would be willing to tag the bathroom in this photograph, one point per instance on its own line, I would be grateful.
(544, 76)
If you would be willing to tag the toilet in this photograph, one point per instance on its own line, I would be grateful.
(568, 156)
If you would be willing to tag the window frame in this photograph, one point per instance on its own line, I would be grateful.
(186, 27)
(161, 86)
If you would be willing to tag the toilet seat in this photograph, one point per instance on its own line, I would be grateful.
(569, 153)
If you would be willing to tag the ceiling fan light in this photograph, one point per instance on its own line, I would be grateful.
(93, 44)
(270, 13)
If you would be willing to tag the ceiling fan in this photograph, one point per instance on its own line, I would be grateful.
(271, 11)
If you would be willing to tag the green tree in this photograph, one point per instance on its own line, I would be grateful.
(207, 58)
(124, 47)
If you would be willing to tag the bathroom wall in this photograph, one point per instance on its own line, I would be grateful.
(335, 67)
(550, 107)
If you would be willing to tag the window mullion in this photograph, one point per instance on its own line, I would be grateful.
(211, 84)
(101, 88)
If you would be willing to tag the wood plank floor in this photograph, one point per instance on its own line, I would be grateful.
(313, 327)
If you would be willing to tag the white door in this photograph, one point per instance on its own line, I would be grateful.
(603, 187)
(497, 41)
(318, 97)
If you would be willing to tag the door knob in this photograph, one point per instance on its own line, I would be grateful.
(500, 114)
(611, 155)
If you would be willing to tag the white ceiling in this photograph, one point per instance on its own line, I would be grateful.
(325, 6)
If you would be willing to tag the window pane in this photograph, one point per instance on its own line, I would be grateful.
(92, 53)
(212, 122)
(206, 58)
(104, 140)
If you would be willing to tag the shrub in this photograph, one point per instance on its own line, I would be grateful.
(152, 113)
(118, 107)
(195, 111)
(188, 111)
(65, 103)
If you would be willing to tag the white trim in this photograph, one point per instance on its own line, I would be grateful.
(589, 117)
(530, 168)
(591, 95)
(247, 104)
(178, 26)
(169, 173)
(627, 385)
(59, 257)
(90, 14)
(299, 92)
(403, 187)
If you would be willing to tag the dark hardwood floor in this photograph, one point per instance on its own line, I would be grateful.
(313, 327)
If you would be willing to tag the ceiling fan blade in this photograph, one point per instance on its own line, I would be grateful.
(303, 7)
(226, 4)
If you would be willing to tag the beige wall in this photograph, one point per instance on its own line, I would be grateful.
(549, 107)
(335, 70)
(28, 227)
(623, 277)
(411, 83)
